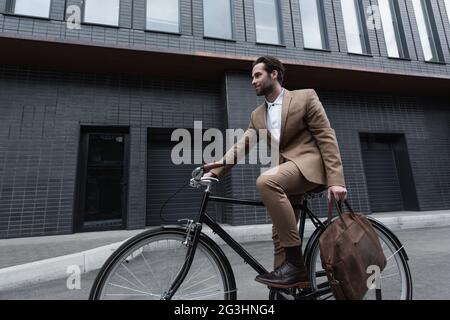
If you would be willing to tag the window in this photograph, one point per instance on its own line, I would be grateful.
(313, 24)
(217, 19)
(36, 8)
(447, 8)
(426, 24)
(355, 30)
(392, 28)
(163, 15)
(102, 12)
(267, 21)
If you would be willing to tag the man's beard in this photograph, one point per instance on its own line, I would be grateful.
(266, 90)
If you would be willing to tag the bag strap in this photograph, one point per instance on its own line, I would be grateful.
(338, 206)
(348, 207)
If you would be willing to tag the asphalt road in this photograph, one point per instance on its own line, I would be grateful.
(428, 250)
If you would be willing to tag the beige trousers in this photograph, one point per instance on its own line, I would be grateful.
(279, 187)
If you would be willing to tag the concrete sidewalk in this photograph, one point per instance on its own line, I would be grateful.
(25, 261)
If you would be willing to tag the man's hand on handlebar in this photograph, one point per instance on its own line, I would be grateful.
(207, 167)
(209, 174)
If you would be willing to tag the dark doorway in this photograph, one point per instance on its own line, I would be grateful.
(388, 172)
(103, 179)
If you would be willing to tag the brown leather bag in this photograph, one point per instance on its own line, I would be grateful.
(348, 246)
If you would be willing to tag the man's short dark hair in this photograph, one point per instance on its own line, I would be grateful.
(270, 64)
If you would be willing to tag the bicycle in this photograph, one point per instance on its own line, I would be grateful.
(181, 262)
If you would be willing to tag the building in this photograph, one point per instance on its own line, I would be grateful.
(90, 92)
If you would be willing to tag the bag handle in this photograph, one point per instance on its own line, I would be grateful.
(338, 205)
(349, 208)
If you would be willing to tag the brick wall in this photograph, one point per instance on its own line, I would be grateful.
(41, 113)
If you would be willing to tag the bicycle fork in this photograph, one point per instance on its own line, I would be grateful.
(192, 235)
(193, 232)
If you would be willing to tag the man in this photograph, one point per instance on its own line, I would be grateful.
(309, 159)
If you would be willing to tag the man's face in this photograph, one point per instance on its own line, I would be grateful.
(262, 81)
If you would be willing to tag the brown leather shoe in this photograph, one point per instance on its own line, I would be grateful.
(285, 276)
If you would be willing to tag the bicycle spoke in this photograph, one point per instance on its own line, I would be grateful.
(389, 276)
(171, 271)
(197, 283)
(204, 295)
(200, 291)
(151, 271)
(394, 253)
(390, 267)
(132, 274)
(126, 295)
(122, 277)
(197, 272)
(131, 289)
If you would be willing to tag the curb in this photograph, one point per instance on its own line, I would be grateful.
(55, 268)
(93, 259)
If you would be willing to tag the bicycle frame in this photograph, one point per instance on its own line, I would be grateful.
(196, 226)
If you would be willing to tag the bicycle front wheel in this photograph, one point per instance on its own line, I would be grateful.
(145, 266)
(395, 280)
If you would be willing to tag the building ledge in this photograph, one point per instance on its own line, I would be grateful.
(83, 56)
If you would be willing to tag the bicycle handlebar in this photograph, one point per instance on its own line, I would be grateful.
(198, 172)
(210, 166)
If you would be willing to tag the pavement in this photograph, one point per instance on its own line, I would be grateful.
(26, 262)
(428, 250)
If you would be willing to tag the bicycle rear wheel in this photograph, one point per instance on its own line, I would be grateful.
(396, 283)
(145, 266)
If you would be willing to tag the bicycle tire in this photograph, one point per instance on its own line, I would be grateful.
(143, 249)
(393, 250)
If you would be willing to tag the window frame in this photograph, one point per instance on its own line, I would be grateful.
(10, 8)
(362, 28)
(83, 21)
(164, 31)
(232, 17)
(364, 32)
(279, 25)
(447, 9)
(432, 34)
(323, 26)
(399, 31)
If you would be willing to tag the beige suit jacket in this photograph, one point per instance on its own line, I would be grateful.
(306, 138)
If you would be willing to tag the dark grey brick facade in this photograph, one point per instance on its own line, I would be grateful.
(42, 111)
(41, 114)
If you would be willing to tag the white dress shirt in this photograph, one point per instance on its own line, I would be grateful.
(274, 116)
